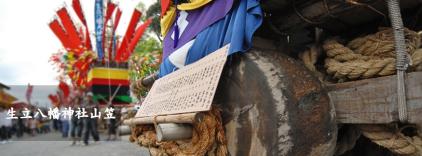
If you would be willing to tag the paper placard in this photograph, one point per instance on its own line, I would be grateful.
(189, 89)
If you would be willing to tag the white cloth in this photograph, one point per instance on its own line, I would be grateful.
(178, 57)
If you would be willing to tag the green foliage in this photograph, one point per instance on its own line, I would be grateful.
(148, 44)
(145, 59)
(154, 11)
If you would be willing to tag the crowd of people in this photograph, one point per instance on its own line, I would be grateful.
(20, 126)
(79, 130)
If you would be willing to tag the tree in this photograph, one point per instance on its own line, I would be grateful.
(154, 12)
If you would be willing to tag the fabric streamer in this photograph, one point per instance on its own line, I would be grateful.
(236, 28)
(167, 20)
(112, 47)
(139, 32)
(193, 4)
(198, 20)
(76, 5)
(164, 6)
(109, 12)
(60, 33)
(64, 88)
(99, 26)
(70, 29)
(54, 99)
(122, 51)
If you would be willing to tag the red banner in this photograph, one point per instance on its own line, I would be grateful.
(112, 47)
(139, 32)
(109, 12)
(54, 99)
(60, 33)
(70, 29)
(76, 5)
(117, 18)
(128, 36)
(64, 88)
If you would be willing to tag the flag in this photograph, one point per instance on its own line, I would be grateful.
(112, 47)
(54, 99)
(71, 30)
(117, 18)
(64, 88)
(60, 34)
(122, 51)
(99, 26)
(109, 11)
(139, 32)
(76, 5)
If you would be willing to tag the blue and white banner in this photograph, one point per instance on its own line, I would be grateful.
(99, 26)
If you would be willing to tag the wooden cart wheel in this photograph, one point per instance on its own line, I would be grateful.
(272, 106)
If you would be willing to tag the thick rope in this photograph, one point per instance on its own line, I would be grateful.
(208, 136)
(344, 63)
(372, 56)
(396, 142)
(381, 44)
(309, 58)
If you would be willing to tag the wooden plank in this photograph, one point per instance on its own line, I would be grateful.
(375, 100)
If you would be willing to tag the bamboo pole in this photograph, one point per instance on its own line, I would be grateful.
(177, 118)
(172, 131)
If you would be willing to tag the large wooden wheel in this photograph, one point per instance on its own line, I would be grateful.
(272, 105)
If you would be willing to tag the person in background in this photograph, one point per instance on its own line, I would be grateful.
(8, 124)
(65, 125)
(77, 124)
(32, 125)
(90, 124)
(3, 131)
(20, 126)
(112, 125)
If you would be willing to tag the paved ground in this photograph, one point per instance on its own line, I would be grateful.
(31, 146)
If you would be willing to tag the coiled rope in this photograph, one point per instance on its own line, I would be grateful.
(207, 137)
(395, 141)
(369, 56)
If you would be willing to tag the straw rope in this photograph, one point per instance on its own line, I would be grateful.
(373, 56)
(369, 56)
(309, 58)
(207, 137)
(396, 142)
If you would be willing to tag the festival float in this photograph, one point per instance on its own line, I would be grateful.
(103, 69)
(282, 77)
(6, 100)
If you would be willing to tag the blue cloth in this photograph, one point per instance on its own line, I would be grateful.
(236, 28)
(166, 67)
(99, 26)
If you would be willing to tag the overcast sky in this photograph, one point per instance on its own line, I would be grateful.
(26, 41)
